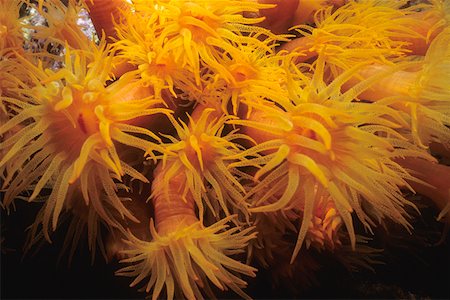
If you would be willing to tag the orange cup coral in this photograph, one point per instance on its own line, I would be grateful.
(198, 134)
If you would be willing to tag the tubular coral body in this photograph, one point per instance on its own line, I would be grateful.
(280, 17)
(307, 9)
(434, 183)
(184, 254)
(70, 121)
(285, 14)
(105, 13)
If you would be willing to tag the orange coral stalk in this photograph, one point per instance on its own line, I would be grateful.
(185, 255)
(388, 84)
(171, 210)
(307, 8)
(433, 182)
(288, 13)
(421, 90)
(133, 91)
(280, 17)
(104, 13)
(439, 149)
(199, 253)
(425, 27)
(302, 45)
(122, 67)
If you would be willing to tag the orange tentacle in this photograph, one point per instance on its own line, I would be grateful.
(423, 27)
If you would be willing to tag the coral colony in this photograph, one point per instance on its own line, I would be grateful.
(193, 140)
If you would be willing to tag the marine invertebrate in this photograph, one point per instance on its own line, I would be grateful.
(420, 89)
(186, 33)
(147, 60)
(186, 134)
(105, 13)
(286, 14)
(311, 146)
(184, 254)
(433, 183)
(279, 17)
(376, 31)
(307, 9)
(243, 73)
(72, 102)
(203, 153)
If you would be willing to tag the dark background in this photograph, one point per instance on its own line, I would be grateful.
(413, 268)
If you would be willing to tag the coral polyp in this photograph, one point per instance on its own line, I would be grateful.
(198, 142)
(204, 154)
(183, 251)
(68, 123)
(346, 151)
(205, 257)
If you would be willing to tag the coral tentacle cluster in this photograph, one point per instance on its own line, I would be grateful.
(197, 139)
